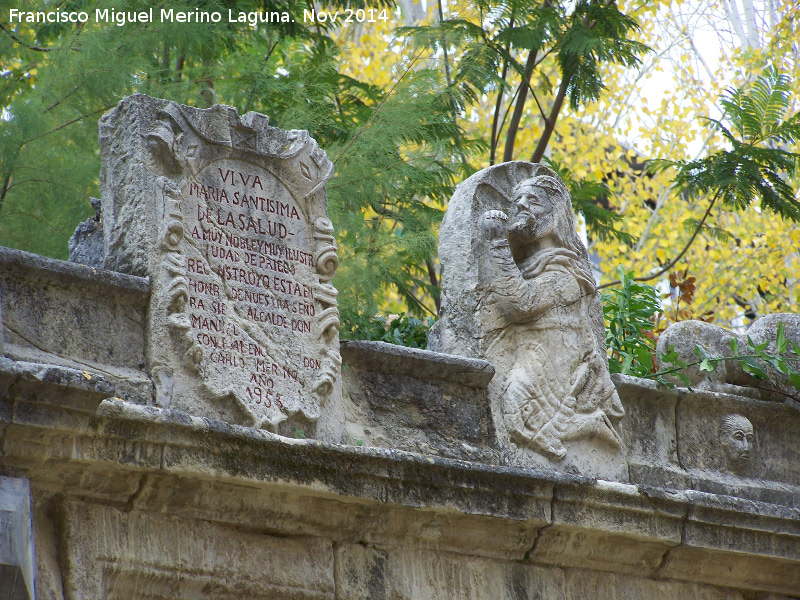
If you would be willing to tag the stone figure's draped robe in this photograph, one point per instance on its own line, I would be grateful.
(559, 387)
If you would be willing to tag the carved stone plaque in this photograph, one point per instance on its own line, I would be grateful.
(228, 218)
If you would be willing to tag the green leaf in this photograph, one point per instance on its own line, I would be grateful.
(705, 365)
(794, 379)
(671, 357)
(626, 364)
(702, 353)
(750, 366)
(781, 342)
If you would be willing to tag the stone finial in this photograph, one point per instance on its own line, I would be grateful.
(729, 376)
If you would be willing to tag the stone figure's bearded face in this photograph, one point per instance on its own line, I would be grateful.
(736, 437)
(534, 218)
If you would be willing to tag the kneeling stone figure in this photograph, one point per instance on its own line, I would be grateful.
(518, 290)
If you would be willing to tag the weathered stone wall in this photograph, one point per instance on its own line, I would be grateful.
(133, 501)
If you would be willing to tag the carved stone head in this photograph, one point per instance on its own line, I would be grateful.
(544, 209)
(737, 439)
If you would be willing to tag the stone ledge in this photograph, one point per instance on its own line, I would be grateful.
(413, 362)
(35, 266)
(672, 440)
(75, 317)
(156, 460)
(416, 400)
(49, 395)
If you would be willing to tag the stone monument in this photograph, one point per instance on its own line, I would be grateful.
(107, 494)
(227, 216)
(518, 290)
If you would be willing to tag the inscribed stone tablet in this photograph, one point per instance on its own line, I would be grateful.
(228, 217)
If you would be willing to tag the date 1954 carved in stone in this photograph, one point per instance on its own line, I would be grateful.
(518, 290)
(228, 218)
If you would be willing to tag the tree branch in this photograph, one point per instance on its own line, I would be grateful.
(57, 102)
(406, 291)
(67, 124)
(519, 107)
(452, 102)
(513, 125)
(675, 260)
(179, 62)
(550, 122)
(495, 133)
(541, 110)
(444, 45)
(508, 110)
(377, 108)
(5, 188)
(434, 282)
(23, 43)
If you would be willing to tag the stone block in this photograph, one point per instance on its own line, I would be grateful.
(386, 573)
(390, 573)
(74, 316)
(648, 427)
(579, 583)
(418, 400)
(111, 554)
(705, 439)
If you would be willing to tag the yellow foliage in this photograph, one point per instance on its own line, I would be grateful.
(659, 111)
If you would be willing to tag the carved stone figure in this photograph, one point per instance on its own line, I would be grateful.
(519, 291)
(729, 377)
(736, 439)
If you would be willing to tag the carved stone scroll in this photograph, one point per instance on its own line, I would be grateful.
(518, 291)
(228, 218)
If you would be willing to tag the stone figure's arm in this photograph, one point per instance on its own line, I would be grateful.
(521, 299)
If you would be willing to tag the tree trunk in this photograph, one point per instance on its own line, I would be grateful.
(519, 107)
(550, 125)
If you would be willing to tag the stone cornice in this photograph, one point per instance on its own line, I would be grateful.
(60, 431)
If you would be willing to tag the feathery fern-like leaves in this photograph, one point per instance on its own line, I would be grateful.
(757, 165)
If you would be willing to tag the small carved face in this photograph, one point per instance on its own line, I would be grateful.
(736, 437)
(534, 212)
(532, 200)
